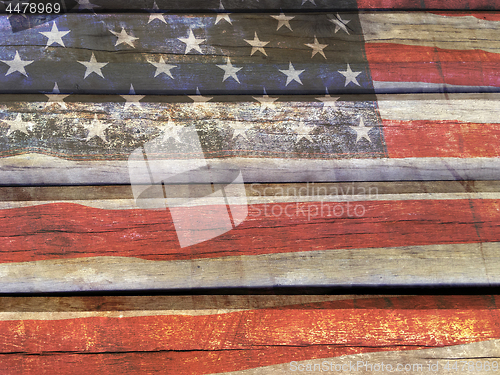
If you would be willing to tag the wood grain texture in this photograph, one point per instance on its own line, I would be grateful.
(409, 266)
(395, 329)
(65, 231)
(330, 234)
(261, 193)
(64, 226)
(36, 170)
(164, 42)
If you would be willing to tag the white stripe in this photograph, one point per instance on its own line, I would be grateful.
(450, 264)
(474, 108)
(432, 30)
(47, 170)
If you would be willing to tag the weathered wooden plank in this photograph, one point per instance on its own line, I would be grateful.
(399, 51)
(419, 137)
(55, 308)
(100, 196)
(165, 336)
(183, 363)
(66, 231)
(183, 53)
(408, 266)
(35, 169)
(332, 234)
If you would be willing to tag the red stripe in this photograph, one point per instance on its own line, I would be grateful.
(429, 4)
(169, 362)
(66, 230)
(404, 63)
(236, 341)
(426, 138)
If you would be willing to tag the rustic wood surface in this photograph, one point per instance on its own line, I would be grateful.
(247, 334)
(423, 184)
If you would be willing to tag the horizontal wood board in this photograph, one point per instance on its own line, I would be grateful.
(388, 52)
(224, 334)
(326, 234)
(299, 139)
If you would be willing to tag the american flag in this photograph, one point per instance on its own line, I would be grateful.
(321, 118)
(304, 94)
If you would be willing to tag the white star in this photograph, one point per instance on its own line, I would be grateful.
(361, 131)
(229, 70)
(305, 1)
(123, 37)
(96, 129)
(16, 65)
(340, 23)
(239, 128)
(54, 35)
(266, 101)
(283, 20)
(222, 16)
(291, 74)
(56, 98)
(156, 16)
(198, 99)
(132, 99)
(328, 101)
(191, 42)
(350, 76)
(317, 48)
(303, 131)
(162, 67)
(171, 130)
(85, 4)
(93, 66)
(18, 124)
(257, 45)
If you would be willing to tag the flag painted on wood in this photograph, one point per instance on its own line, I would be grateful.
(294, 243)
(270, 61)
(329, 330)
(320, 118)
